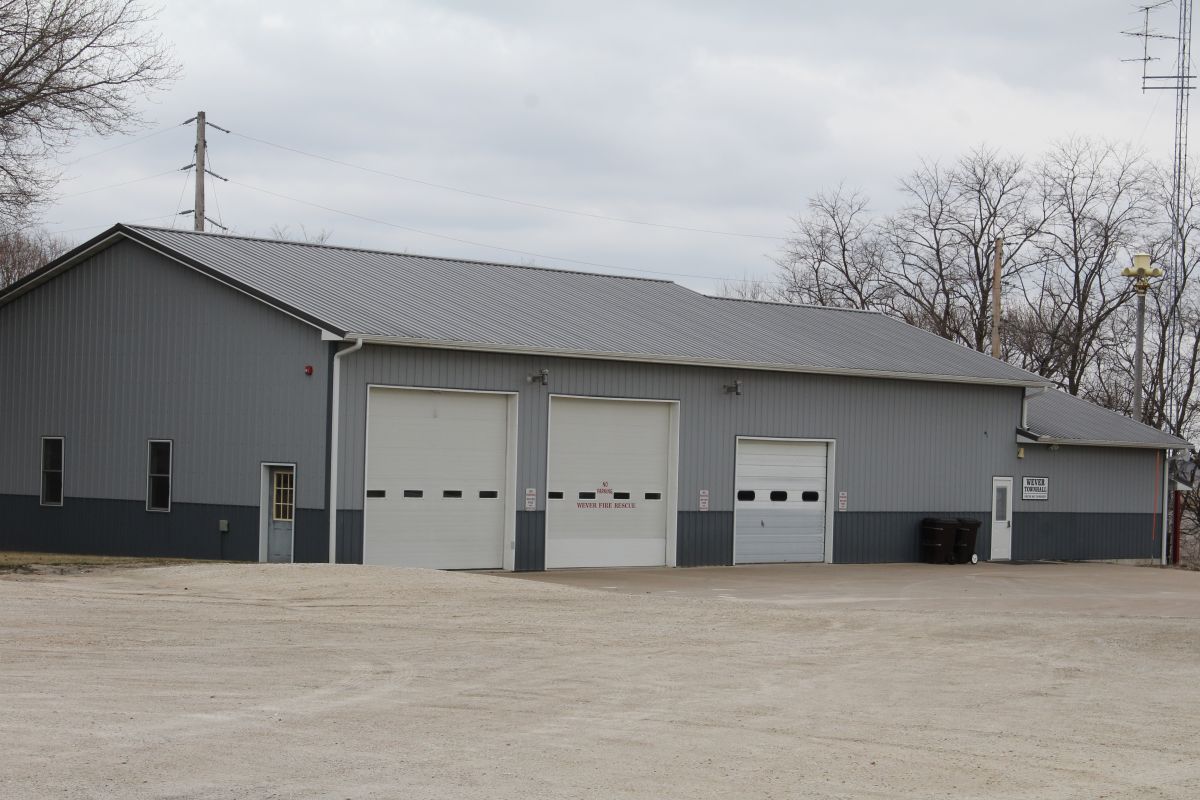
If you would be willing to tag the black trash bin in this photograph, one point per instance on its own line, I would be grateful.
(965, 535)
(937, 540)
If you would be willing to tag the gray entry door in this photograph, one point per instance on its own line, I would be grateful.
(283, 514)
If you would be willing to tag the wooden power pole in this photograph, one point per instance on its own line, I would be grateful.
(198, 211)
(999, 256)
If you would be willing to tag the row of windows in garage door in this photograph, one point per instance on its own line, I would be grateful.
(743, 495)
(492, 494)
(421, 442)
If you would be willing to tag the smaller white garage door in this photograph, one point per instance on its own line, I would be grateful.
(436, 479)
(779, 501)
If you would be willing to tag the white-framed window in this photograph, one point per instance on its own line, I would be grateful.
(52, 471)
(158, 474)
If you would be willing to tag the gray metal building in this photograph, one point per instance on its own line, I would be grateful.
(175, 393)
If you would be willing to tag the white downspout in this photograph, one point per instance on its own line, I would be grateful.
(1167, 506)
(333, 444)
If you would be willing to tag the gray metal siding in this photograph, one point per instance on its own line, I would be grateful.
(1083, 536)
(531, 541)
(705, 538)
(869, 537)
(905, 447)
(1090, 479)
(130, 346)
(124, 528)
(901, 445)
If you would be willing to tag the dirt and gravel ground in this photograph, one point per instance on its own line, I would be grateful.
(240, 681)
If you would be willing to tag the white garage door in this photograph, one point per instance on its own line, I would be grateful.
(437, 466)
(779, 502)
(607, 489)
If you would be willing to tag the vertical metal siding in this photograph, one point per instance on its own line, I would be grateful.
(902, 446)
(130, 346)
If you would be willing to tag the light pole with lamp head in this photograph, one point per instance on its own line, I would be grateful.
(1141, 272)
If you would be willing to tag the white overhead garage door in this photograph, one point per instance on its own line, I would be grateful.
(779, 501)
(608, 492)
(437, 479)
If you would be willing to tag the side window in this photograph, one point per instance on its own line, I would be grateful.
(158, 475)
(52, 470)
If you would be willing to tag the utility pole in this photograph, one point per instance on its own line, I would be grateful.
(198, 211)
(999, 260)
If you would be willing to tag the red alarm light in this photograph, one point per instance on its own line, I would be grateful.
(308, 370)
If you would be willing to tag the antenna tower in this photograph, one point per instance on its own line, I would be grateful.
(1180, 82)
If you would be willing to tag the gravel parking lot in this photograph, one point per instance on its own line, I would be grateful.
(207, 681)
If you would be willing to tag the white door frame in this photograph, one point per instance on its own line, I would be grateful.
(264, 505)
(509, 546)
(672, 498)
(997, 480)
(830, 485)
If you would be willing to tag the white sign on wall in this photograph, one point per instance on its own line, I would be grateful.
(531, 499)
(1033, 488)
(704, 499)
(843, 500)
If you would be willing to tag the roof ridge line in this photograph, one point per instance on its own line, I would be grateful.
(377, 251)
(786, 304)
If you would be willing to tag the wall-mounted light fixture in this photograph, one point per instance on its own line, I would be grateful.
(733, 388)
(541, 376)
(1053, 448)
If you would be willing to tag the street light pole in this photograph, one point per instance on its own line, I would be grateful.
(1141, 272)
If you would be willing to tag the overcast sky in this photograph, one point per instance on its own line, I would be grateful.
(707, 115)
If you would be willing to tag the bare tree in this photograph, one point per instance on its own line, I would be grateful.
(67, 66)
(754, 289)
(944, 235)
(321, 236)
(1103, 211)
(23, 252)
(836, 255)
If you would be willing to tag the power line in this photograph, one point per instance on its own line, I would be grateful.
(187, 171)
(512, 201)
(151, 135)
(459, 240)
(118, 185)
(107, 224)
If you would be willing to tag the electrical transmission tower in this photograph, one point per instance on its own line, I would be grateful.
(1180, 82)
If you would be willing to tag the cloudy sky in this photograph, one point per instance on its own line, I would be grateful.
(703, 115)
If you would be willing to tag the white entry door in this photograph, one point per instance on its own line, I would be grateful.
(608, 485)
(436, 478)
(779, 501)
(1002, 519)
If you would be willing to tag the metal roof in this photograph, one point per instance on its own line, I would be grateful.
(471, 304)
(1059, 418)
(441, 302)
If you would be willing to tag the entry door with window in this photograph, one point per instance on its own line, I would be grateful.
(1002, 519)
(282, 515)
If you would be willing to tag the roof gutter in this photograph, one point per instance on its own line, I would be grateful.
(334, 415)
(1025, 436)
(483, 347)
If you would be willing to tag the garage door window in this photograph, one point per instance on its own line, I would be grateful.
(778, 497)
(52, 470)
